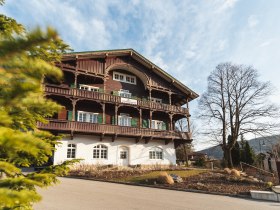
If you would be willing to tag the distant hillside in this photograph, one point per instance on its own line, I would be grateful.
(261, 144)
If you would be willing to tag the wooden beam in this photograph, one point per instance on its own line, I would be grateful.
(72, 135)
(148, 140)
(114, 137)
(167, 141)
(138, 139)
(102, 136)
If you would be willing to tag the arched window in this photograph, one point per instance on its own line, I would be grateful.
(71, 151)
(156, 153)
(100, 151)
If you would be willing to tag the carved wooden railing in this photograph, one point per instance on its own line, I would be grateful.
(83, 127)
(112, 98)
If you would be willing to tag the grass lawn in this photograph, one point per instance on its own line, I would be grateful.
(154, 174)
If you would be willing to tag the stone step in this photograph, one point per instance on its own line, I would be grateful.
(265, 195)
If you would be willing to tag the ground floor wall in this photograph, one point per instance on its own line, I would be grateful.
(136, 154)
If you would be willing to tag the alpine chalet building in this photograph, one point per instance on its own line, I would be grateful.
(119, 109)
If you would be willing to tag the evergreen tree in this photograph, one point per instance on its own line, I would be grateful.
(25, 59)
(242, 149)
(248, 154)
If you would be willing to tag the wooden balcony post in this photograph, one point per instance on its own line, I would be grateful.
(151, 117)
(170, 124)
(140, 118)
(150, 94)
(188, 119)
(170, 97)
(103, 114)
(116, 114)
(73, 109)
(75, 81)
(187, 116)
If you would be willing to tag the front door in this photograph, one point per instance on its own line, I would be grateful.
(123, 156)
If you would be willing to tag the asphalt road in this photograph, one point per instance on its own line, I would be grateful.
(76, 194)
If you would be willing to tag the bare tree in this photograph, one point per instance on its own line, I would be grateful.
(184, 150)
(236, 103)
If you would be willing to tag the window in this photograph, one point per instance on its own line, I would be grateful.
(124, 93)
(156, 100)
(124, 78)
(124, 120)
(123, 154)
(157, 124)
(87, 117)
(89, 88)
(100, 152)
(156, 153)
(71, 151)
(116, 76)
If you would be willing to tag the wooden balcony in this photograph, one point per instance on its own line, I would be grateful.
(112, 130)
(103, 97)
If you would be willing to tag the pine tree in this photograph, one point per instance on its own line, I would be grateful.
(25, 59)
(242, 149)
(249, 154)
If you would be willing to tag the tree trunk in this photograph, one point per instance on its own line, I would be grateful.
(186, 156)
(225, 157)
(230, 164)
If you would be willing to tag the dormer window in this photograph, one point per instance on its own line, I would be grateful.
(124, 78)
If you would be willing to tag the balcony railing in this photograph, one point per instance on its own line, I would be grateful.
(114, 99)
(83, 127)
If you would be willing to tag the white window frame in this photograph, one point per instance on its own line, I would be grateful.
(89, 88)
(156, 100)
(124, 93)
(100, 151)
(156, 153)
(156, 124)
(87, 117)
(124, 119)
(130, 79)
(71, 151)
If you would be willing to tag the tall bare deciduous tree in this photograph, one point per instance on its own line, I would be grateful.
(235, 103)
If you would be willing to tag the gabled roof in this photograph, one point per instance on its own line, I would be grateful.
(138, 57)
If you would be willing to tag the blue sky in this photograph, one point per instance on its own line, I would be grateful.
(187, 38)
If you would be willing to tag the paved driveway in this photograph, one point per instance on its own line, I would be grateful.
(76, 194)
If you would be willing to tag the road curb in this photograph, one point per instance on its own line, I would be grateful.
(163, 187)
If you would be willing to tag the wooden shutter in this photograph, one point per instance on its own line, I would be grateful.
(134, 122)
(62, 114)
(145, 123)
(113, 120)
(70, 115)
(100, 119)
(164, 126)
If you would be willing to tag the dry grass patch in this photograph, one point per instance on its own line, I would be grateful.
(151, 176)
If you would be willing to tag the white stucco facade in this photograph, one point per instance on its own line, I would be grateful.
(137, 154)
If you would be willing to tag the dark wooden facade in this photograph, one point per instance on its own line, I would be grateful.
(96, 69)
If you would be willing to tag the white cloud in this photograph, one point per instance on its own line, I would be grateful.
(226, 4)
(253, 21)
